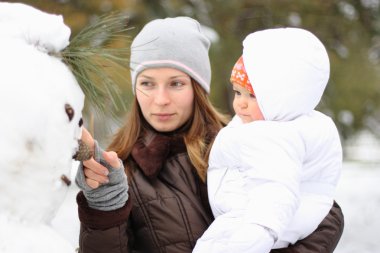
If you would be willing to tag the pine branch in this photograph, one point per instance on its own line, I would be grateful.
(92, 56)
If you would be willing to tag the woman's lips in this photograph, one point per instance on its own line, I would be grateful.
(163, 116)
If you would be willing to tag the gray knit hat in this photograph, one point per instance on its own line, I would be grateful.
(172, 42)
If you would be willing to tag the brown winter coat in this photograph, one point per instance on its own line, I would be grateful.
(168, 209)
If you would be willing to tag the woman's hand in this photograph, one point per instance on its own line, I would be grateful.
(95, 173)
(101, 176)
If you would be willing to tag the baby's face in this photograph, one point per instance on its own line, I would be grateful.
(245, 105)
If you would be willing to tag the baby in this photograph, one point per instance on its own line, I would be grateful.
(273, 170)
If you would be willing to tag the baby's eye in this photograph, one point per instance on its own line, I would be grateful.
(237, 92)
(252, 96)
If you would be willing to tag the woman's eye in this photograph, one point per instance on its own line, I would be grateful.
(144, 83)
(177, 84)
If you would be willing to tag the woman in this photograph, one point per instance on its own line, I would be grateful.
(164, 149)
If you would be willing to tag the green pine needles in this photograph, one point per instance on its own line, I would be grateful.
(98, 57)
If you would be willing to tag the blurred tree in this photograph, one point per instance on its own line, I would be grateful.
(350, 29)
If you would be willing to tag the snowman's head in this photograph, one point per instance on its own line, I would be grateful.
(41, 115)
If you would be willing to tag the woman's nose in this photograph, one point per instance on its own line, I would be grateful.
(162, 96)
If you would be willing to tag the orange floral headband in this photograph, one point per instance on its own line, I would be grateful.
(240, 77)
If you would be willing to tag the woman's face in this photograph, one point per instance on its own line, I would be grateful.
(166, 97)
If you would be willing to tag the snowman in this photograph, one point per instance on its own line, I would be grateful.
(40, 111)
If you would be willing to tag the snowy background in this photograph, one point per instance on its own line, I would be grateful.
(358, 194)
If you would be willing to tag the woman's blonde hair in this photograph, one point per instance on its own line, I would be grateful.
(205, 123)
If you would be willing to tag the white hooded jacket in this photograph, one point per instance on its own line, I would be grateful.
(272, 182)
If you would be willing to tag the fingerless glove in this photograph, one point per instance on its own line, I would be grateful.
(106, 197)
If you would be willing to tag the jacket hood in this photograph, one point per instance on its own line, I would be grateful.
(288, 68)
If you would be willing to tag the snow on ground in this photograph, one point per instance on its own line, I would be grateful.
(359, 196)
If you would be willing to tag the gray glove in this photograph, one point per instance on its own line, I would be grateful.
(106, 197)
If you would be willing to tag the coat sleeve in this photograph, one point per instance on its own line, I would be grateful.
(103, 231)
(324, 239)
